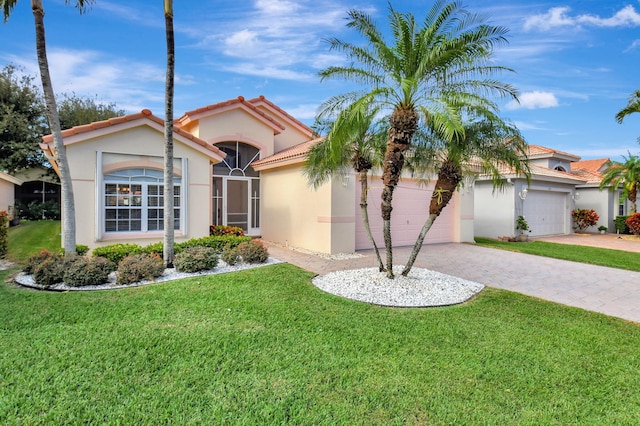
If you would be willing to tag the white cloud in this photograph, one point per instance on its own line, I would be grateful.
(534, 100)
(131, 85)
(634, 45)
(560, 17)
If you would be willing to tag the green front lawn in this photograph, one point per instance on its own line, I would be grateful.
(32, 236)
(596, 256)
(264, 346)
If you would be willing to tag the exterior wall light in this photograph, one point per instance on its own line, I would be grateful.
(523, 194)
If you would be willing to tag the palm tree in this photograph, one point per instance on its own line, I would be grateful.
(425, 76)
(623, 174)
(488, 146)
(169, 219)
(354, 139)
(68, 205)
(633, 105)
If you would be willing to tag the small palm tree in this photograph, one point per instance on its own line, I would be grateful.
(488, 146)
(68, 204)
(356, 140)
(623, 174)
(633, 106)
(169, 232)
(426, 75)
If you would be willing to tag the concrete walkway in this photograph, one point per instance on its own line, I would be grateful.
(610, 291)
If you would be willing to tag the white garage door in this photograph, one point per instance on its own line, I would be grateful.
(546, 212)
(410, 210)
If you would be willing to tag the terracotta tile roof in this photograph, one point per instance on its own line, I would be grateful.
(295, 153)
(144, 114)
(542, 151)
(191, 116)
(595, 166)
(590, 177)
(262, 99)
(101, 124)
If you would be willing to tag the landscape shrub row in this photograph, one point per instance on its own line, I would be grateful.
(134, 263)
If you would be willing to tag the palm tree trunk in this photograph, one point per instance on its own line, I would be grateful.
(168, 138)
(365, 216)
(448, 179)
(403, 124)
(68, 205)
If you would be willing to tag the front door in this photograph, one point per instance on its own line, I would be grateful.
(236, 188)
(237, 211)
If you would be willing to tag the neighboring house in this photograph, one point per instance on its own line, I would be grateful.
(237, 163)
(39, 184)
(559, 183)
(8, 184)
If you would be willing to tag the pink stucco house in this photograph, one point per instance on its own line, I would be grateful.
(237, 162)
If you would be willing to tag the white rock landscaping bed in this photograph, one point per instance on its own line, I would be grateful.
(169, 274)
(422, 288)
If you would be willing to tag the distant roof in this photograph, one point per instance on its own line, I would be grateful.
(537, 151)
(7, 177)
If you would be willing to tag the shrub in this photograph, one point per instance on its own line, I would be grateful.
(221, 230)
(87, 271)
(218, 243)
(633, 223)
(37, 210)
(158, 248)
(117, 252)
(50, 270)
(584, 218)
(4, 234)
(230, 255)
(138, 267)
(81, 249)
(253, 252)
(37, 258)
(620, 223)
(195, 259)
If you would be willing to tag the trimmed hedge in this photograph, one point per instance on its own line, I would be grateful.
(117, 252)
(85, 271)
(196, 259)
(139, 267)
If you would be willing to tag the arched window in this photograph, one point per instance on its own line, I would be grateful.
(134, 200)
(238, 160)
(560, 169)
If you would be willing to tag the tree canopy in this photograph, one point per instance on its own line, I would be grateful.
(23, 120)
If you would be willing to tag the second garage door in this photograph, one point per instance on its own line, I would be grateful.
(546, 212)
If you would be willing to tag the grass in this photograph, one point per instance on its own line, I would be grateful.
(32, 236)
(264, 346)
(596, 256)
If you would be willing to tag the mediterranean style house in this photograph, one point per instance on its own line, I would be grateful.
(240, 163)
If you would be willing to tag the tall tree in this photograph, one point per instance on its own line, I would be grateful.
(22, 121)
(626, 175)
(427, 75)
(488, 146)
(355, 139)
(76, 111)
(169, 233)
(68, 205)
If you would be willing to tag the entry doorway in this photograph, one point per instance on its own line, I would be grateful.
(236, 188)
(236, 202)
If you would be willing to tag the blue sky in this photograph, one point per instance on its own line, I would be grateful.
(576, 63)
